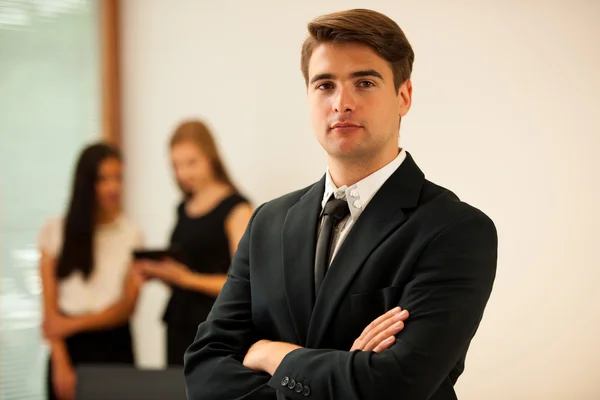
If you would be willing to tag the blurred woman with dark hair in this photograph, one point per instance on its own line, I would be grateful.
(89, 286)
(211, 220)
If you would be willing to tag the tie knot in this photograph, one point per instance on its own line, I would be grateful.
(337, 208)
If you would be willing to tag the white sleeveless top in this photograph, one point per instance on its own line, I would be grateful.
(112, 246)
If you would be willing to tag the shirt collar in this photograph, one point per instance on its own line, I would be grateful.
(360, 194)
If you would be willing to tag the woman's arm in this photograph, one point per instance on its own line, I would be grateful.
(115, 315)
(209, 284)
(49, 284)
(118, 313)
(60, 358)
(178, 274)
(64, 377)
(235, 226)
(49, 295)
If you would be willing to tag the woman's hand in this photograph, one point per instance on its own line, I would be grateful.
(64, 379)
(57, 326)
(168, 270)
(138, 276)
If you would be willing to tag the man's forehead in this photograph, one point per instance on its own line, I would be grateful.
(344, 59)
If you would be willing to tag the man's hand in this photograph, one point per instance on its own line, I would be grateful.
(266, 355)
(380, 334)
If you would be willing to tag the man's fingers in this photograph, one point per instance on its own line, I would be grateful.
(384, 335)
(386, 344)
(380, 329)
(383, 325)
(379, 320)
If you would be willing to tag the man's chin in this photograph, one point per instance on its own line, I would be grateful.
(346, 155)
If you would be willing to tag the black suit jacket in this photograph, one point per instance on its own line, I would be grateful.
(416, 245)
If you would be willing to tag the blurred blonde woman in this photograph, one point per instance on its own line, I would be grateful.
(211, 220)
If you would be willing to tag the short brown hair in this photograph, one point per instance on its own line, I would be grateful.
(367, 27)
(198, 133)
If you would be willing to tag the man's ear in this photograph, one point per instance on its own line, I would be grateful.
(405, 95)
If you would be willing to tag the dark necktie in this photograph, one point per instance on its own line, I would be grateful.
(335, 211)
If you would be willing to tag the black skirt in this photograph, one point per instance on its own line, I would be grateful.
(113, 346)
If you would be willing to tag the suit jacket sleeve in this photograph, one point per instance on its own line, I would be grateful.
(446, 298)
(213, 363)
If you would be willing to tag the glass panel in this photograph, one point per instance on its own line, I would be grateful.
(49, 108)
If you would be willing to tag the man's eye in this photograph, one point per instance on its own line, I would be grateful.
(325, 86)
(366, 84)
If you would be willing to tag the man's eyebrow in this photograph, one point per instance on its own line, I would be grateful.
(368, 72)
(321, 77)
(357, 74)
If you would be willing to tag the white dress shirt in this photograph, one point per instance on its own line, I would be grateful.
(358, 197)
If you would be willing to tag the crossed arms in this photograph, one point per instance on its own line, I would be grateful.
(446, 298)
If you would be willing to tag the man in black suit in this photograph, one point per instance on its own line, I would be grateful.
(315, 304)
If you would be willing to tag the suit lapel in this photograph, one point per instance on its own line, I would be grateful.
(383, 216)
(299, 242)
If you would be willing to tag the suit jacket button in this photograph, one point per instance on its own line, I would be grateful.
(306, 391)
(292, 384)
(285, 381)
(299, 388)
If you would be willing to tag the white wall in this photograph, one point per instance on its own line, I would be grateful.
(505, 113)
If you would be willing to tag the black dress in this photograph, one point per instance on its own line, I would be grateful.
(203, 245)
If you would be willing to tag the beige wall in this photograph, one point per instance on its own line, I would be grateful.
(505, 114)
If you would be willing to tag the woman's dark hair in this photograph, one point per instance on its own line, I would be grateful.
(77, 249)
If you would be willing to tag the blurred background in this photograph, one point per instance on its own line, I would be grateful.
(505, 114)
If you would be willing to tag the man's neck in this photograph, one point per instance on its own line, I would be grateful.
(347, 172)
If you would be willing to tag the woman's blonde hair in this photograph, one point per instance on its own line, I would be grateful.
(197, 132)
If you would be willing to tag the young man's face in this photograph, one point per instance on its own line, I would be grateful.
(354, 107)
